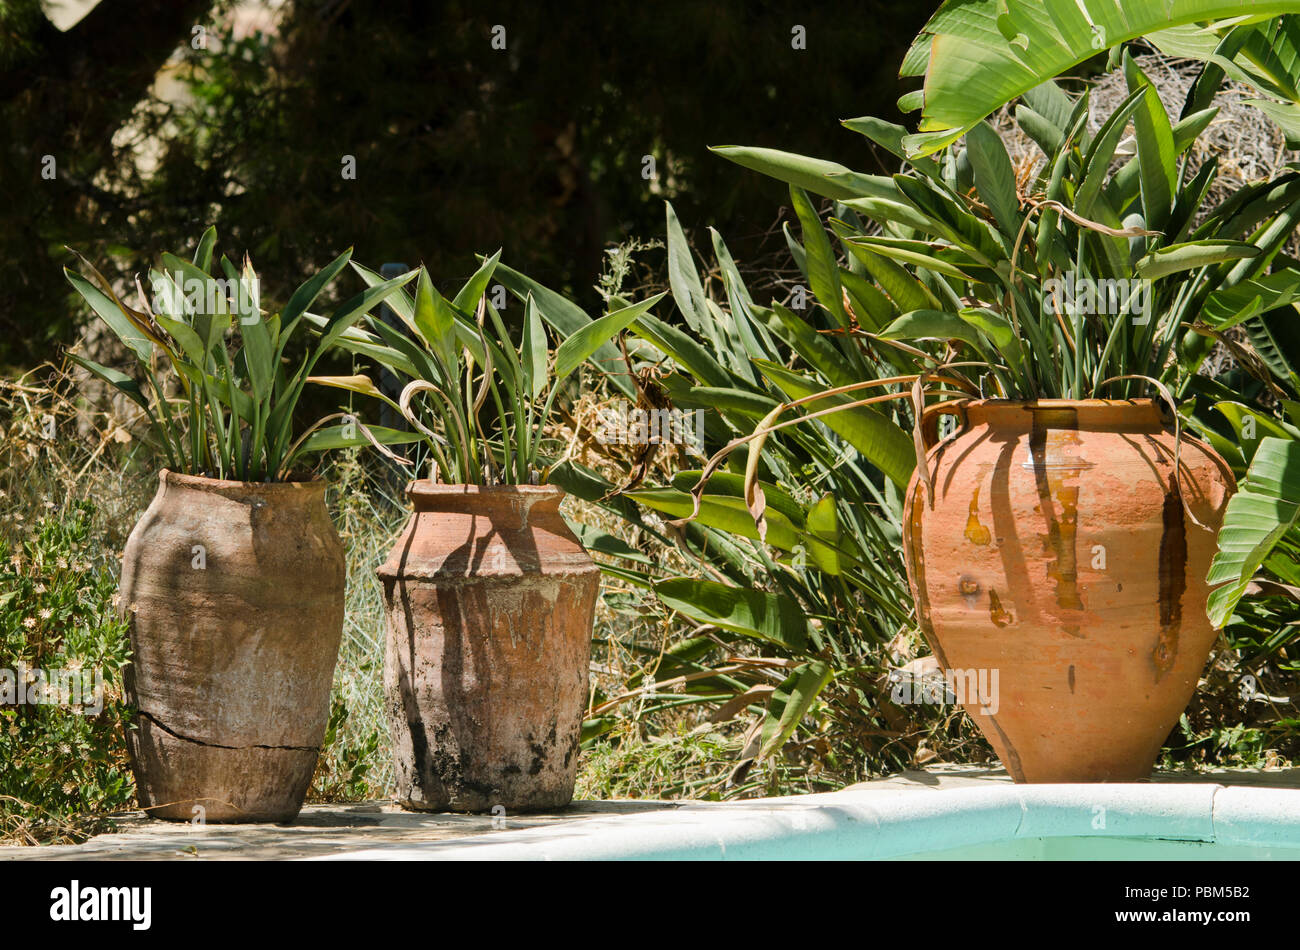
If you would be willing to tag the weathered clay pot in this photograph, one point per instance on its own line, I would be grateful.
(1057, 555)
(234, 593)
(490, 604)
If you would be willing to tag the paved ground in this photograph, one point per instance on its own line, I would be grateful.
(323, 830)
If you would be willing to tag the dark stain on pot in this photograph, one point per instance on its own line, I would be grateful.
(1012, 761)
(1071, 677)
(999, 616)
(921, 592)
(1061, 535)
(976, 533)
(969, 588)
(1172, 579)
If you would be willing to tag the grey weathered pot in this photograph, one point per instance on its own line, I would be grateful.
(490, 602)
(234, 594)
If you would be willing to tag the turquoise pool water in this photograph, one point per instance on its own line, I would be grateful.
(1105, 849)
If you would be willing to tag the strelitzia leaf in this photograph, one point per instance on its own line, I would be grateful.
(1191, 255)
(125, 330)
(823, 272)
(790, 703)
(879, 440)
(934, 325)
(771, 618)
(435, 322)
(581, 346)
(810, 174)
(116, 378)
(533, 353)
(993, 176)
(1261, 513)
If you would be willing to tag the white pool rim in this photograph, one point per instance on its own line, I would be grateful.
(866, 823)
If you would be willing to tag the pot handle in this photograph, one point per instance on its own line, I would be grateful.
(930, 419)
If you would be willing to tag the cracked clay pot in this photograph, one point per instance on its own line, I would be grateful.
(1060, 579)
(490, 601)
(234, 595)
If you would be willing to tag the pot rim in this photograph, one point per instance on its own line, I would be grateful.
(203, 483)
(1142, 402)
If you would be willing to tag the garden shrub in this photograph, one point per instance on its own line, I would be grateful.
(63, 648)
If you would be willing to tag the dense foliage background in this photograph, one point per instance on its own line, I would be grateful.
(164, 116)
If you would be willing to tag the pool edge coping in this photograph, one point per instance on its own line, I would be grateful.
(883, 823)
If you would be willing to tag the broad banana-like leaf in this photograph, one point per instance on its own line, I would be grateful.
(773, 618)
(978, 55)
(1261, 513)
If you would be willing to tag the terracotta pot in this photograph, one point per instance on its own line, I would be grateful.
(234, 594)
(1058, 561)
(490, 603)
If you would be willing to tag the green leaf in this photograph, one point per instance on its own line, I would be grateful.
(688, 292)
(934, 325)
(579, 347)
(1191, 255)
(533, 352)
(117, 379)
(971, 69)
(810, 174)
(772, 618)
(823, 272)
(890, 137)
(994, 178)
(790, 702)
(1261, 513)
(723, 512)
(203, 253)
(126, 331)
(823, 523)
(308, 291)
(818, 351)
(434, 322)
(1157, 163)
(567, 318)
(916, 253)
(732, 485)
(600, 542)
(682, 348)
(876, 437)
(357, 306)
(259, 349)
(1228, 306)
(469, 296)
(350, 436)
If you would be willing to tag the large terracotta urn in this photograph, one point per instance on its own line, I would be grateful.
(490, 602)
(1059, 576)
(234, 596)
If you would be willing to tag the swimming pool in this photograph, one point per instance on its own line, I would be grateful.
(993, 821)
